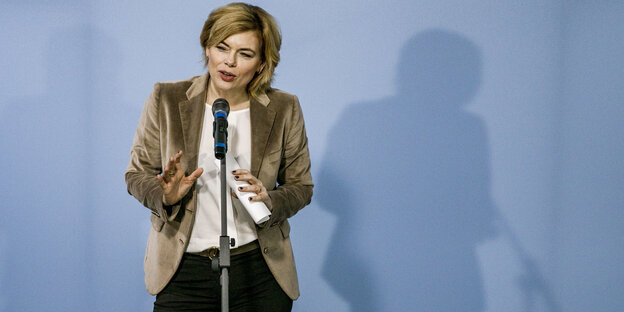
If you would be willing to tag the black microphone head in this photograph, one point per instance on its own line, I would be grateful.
(221, 104)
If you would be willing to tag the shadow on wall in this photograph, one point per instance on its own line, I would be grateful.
(408, 178)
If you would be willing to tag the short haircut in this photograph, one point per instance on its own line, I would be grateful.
(239, 17)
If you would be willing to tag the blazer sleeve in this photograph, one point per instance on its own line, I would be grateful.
(145, 160)
(294, 190)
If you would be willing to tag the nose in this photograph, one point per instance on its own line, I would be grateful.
(230, 60)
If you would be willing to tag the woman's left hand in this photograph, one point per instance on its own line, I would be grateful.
(255, 186)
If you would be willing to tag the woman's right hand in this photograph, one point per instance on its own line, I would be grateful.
(174, 182)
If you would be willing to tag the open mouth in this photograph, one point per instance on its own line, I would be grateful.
(227, 76)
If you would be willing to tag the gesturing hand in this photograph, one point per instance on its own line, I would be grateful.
(174, 182)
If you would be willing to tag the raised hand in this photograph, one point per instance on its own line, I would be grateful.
(174, 182)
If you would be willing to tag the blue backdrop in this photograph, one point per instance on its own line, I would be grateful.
(467, 155)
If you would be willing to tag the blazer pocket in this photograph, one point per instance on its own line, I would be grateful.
(157, 223)
(285, 228)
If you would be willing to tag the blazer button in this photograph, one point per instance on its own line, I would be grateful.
(266, 250)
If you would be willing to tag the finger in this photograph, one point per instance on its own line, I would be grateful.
(248, 189)
(168, 175)
(190, 180)
(240, 171)
(247, 177)
(262, 197)
(258, 188)
(171, 163)
(196, 174)
(165, 175)
(169, 170)
(234, 195)
(162, 182)
(177, 161)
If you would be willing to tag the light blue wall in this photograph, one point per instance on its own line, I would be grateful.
(590, 233)
(467, 154)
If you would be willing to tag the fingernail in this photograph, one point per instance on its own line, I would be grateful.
(240, 188)
(250, 198)
(233, 171)
(235, 177)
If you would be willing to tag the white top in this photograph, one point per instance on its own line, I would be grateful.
(207, 228)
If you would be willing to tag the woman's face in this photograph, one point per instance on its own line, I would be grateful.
(233, 62)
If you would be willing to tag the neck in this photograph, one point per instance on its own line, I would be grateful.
(237, 99)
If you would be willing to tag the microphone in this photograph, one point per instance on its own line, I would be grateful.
(220, 110)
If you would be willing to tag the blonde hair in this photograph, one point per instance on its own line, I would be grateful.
(239, 17)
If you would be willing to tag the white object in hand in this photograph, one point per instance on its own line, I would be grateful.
(257, 210)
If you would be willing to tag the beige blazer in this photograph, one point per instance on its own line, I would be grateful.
(171, 121)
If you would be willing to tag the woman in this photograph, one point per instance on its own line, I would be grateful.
(172, 172)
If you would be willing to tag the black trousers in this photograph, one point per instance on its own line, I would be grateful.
(195, 287)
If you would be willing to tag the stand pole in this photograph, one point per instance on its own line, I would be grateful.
(220, 110)
(224, 242)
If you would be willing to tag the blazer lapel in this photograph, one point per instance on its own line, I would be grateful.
(191, 117)
(262, 118)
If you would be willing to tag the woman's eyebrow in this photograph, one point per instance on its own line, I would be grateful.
(248, 49)
(243, 49)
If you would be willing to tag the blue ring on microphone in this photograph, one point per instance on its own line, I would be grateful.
(220, 114)
(219, 144)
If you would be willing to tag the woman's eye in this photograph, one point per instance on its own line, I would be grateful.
(221, 48)
(247, 55)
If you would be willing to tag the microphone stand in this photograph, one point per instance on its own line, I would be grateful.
(220, 110)
(223, 260)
